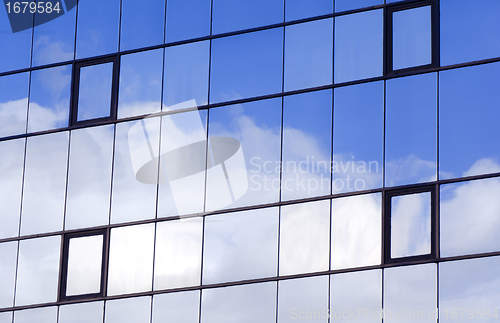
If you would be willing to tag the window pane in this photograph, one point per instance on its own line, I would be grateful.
(358, 133)
(84, 265)
(131, 259)
(39, 315)
(471, 41)
(246, 65)
(17, 54)
(469, 217)
(81, 313)
(344, 5)
(8, 259)
(468, 127)
(308, 54)
(186, 75)
(129, 310)
(94, 97)
(411, 225)
(242, 245)
(140, 83)
(135, 33)
(38, 270)
(300, 9)
(230, 15)
(188, 19)
(359, 46)
(176, 307)
(13, 103)
(49, 98)
(411, 130)
(356, 231)
(304, 238)
(44, 183)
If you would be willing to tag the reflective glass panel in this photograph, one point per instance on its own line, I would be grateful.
(44, 183)
(130, 268)
(307, 145)
(6, 317)
(358, 137)
(411, 130)
(359, 45)
(135, 170)
(17, 54)
(49, 98)
(411, 225)
(176, 307)
(89, 177)
(244, 154)
(246, 65)
(344, 5)
(304, 238)
(468, 115)
(11, 181)
(188, 19)
(98, 27)
(135, 33)
(140, 83)
(94, 97)
(8, 259)
(81, 313)
(39, 315)
(128, 310)
(242, 304)
(38, 270)
(242, 245)
(13, 103)
(411, 37)
(473, 41)
(410, 293)
(84, 265)
(469, 217)
(303, 299)
(308, 54)
(178, 253)
(300, 9)
(356, 231)
(230, 15)
(359, 292)
(186, 75)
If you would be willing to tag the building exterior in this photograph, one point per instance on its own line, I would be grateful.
(249, 161)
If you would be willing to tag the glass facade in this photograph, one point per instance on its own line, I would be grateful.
(249, 161)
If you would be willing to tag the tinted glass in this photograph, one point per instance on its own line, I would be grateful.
(411, 130)
(188, 19)
(84, 265)
(344, 5)
(94, 97)
(8, 259)
(246, 65)
(128, 310)
(44, 183)
(39, 315)
(49, 98)
(358, 133)
(135, 33)
(242, 245)
(299, 9)
(13, 104)
(18, 54)
(468, 114)
(176, 307)
(359, 46)
(140, 83)
(81, 313)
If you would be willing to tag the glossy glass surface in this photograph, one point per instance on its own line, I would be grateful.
(244, 143)
(412, 37)
(246, 65)
(178, 253)
(94, 97)
(39, 315)
(44, 183)
(410, 293)
(230, 15)
(411, 225)
(8, 259)
(359, 45)
(84, 265)
(135, 33)
(469, 217)
(411, 130)
(186, 75)
(357, 292)
(474, 40)
(187, 19)
(128, 310)
(344, 5)
(130, 268)
(242, 245)
(13, 104)
(304, 238)
(303, 299)
(81, 313)
(89, 177)
(98, 28)
(49, 98)
(11, 182)
(358, 137)
(176, 307)
(300, 9)
(242, 304)
(356, 231)
(307, 145)
(135, 170)
(38, 270)
(140, 83)
(18, 54)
